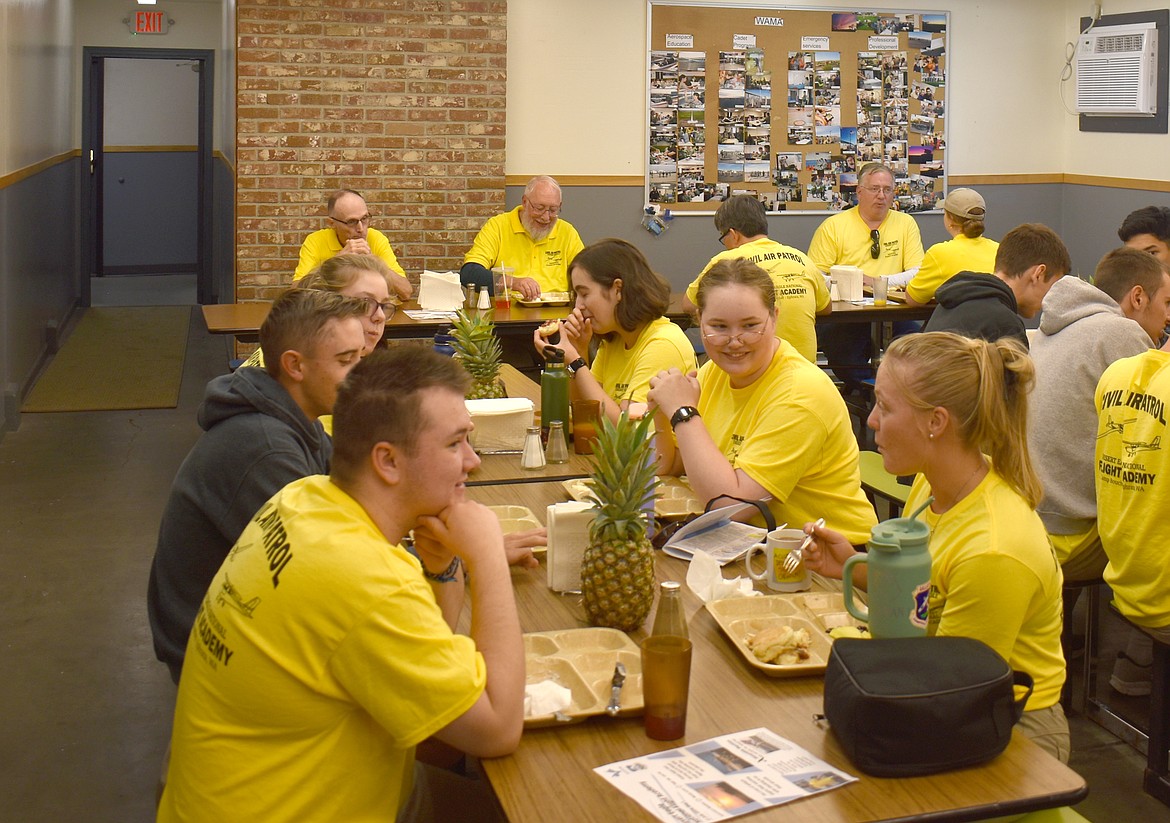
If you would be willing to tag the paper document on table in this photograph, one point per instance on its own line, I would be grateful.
(422, 314)
(716, 534)
(723, 777)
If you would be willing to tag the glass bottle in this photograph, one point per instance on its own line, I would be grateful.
(666, 667)
(533, 455)
(558, 449)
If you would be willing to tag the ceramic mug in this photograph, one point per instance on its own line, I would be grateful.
(775, 551)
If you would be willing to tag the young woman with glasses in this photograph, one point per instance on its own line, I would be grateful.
(621, 301)
(759, 420)
(353, 275)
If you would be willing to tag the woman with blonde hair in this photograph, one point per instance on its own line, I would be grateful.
(953, 410)
(354, 275)
(964, 213)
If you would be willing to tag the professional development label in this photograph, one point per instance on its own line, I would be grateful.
(883, 43)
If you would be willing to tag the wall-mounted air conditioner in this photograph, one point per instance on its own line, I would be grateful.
(1117, 70)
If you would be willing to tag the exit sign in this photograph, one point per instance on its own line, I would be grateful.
(148, 21)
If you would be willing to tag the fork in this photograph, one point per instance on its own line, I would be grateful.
(792, 561)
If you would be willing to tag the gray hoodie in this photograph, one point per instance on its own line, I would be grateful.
(256, 440)
(1082, 330)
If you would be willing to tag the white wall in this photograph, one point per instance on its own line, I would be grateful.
(1140, 156)
(198, 25)
(577, 85)
(36, 70)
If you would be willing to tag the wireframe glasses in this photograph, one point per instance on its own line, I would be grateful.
(387, 308)
(886, 190)
(720, 338)
(875, 244)
(364, 220)
(535, 209)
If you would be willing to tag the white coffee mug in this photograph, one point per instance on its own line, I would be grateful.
(775, 551)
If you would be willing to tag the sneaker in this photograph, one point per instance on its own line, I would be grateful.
(1130, 678)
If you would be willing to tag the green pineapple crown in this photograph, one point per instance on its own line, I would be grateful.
(624, 479)
(475, 342)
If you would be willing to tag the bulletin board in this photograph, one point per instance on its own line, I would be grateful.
(787, 104)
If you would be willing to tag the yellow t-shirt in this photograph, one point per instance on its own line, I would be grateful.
(318, 661)
(943, 261)
(789, 431)
(800, 289)
(1133, 495)
(323, 244)
(503, 242)
(625, 373)
(844, 240)
(994, 577)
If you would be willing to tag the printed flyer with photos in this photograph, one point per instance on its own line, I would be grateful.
(724, 777)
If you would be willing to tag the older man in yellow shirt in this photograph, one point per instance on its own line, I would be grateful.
(531, 239)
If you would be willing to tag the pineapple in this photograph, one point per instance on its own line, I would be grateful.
(617, 569)
(477, 346)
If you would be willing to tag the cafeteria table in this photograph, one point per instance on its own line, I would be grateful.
(551, 773)
(505, 468)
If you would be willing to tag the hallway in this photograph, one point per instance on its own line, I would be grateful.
(86, 708)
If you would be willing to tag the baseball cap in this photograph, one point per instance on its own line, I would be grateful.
(965, 203)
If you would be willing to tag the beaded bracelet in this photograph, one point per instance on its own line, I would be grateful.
(448, 575)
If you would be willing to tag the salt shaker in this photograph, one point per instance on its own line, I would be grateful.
(533, 455)
(558, 449)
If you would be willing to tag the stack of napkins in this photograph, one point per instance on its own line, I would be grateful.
(850, 281)
(500, 424)
(568, 536)
(440, 291)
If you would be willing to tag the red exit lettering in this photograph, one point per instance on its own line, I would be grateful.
(148, 22)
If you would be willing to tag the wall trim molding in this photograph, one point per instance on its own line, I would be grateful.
(15, 177)
(146, 149)
(1020, 179)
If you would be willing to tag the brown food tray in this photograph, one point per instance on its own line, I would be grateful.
(582, 660)
(816, 612)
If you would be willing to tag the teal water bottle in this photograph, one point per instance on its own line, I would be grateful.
(554, 391)
(899, 578)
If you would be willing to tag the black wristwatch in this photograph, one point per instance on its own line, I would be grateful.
(683, 414)
(572, 368)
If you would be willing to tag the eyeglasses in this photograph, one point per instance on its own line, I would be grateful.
(886, 190)
(720, 338)
(535, 209)
(364, 220)
(875, 244)
(723, 236)
(388, 308)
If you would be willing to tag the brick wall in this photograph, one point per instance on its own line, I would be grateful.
(403, 100)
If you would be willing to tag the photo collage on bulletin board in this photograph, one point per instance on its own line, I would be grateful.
(789, 108)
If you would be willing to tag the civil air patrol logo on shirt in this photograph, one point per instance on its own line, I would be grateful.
(552, 257)
(736, 445)
(921, 605)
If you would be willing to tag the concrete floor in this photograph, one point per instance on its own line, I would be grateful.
(84, 707)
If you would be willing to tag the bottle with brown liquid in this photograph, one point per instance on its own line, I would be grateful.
(666, 667)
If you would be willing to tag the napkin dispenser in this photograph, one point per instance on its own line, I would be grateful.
(568, 536)
(500, 424)
(440, 291)
(849, 281)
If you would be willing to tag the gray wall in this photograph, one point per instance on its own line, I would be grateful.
(39, 285)
(150, 212)
(681, 252)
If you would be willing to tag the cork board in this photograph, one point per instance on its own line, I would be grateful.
(788, 104)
